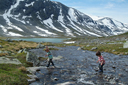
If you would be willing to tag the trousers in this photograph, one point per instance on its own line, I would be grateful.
(50, 61)
(101, 67)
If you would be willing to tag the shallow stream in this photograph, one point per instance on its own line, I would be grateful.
(79, 67)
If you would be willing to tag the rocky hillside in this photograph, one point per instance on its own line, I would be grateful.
(49, 18)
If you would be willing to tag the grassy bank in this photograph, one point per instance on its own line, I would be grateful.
(11, 74)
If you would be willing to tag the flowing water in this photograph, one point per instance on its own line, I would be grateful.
(79, 67)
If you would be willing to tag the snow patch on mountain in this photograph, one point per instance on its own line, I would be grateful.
(95, 17)
(31, 4)
(72, 14)
(107, 23)
(24, 17)
(38, 16)
(74, 26)
(16, 27)
(61, 21)
(3, 28)
(60, 17)
(8, 12)
(46, 31)
(40, 34)
(91, 33)
(49, 23)
(14, 34)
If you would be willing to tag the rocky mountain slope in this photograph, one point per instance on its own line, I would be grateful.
(49, 18)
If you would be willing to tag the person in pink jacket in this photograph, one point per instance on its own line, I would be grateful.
(100, 60)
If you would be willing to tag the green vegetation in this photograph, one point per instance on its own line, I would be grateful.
(111, 48)
(22, 58)
(10, 74)
(16, 45)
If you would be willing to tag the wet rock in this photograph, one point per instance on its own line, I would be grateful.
(58, 57)
(113, 66)
(56, 79)
(83, 72)
(117, 79)
(66, 83)
(96, 69)
(33, 78)
(56, 74)
(79, 48)
(112, 81)
(105, 76)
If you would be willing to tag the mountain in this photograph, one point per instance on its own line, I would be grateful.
(30, 18)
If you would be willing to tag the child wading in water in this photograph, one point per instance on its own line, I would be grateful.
(49, 56)
(101, 61)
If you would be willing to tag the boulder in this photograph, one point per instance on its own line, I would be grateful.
(94, 48)
(1, 46)
(40, 46)
(125, 44)
(33, 78)
(25, 50)
(20, 51)
(56, 79)
(31, 57)
(87, 45)
(79, 48)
